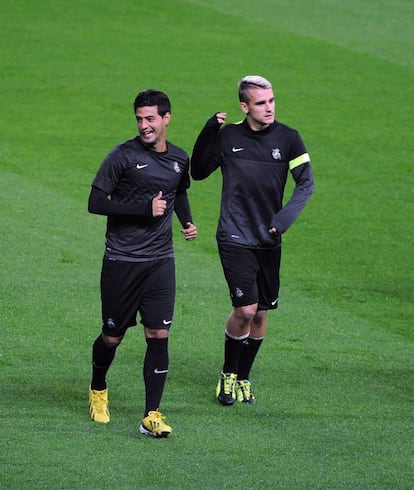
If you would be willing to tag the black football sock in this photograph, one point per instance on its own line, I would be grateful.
(155, 372)
(248, 355)
(102, 357)
(232, 352)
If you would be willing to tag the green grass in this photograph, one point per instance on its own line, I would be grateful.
(334, 379)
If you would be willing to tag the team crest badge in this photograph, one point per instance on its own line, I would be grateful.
(177, 167)
(276, 154)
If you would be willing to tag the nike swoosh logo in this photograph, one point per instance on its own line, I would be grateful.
(141, 166)
(274, 302)
(160, 371)
(166, 323)
(234, 150)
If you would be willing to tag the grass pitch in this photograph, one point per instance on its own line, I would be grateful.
(334, 379)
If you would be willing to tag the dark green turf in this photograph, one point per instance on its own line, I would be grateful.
(334, 379)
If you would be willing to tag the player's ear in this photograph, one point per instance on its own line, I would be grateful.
(167, 118)
(244, 107)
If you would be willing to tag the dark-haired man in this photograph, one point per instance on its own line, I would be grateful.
(139, 186)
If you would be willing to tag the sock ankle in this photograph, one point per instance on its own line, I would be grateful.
(232, 351)
(155, 372)
(102, 357)
(247, 357)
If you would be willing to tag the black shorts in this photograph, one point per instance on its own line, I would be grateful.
(131, 287)
(252, 275)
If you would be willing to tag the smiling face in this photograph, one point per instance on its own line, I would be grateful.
(152, 127)
(260, 108)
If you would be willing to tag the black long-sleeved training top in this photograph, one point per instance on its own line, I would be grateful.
(132, 175)
(254, 166)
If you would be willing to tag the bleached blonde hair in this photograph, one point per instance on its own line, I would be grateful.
(251, 81)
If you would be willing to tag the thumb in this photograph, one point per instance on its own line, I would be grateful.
(159, 195)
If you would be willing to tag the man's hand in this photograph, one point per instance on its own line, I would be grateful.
(221, 117)
(190, 231)
(158, 205)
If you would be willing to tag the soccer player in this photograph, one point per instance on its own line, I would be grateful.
(139, 186)
(255, 157)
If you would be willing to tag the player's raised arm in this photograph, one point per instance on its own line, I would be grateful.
(205, 157)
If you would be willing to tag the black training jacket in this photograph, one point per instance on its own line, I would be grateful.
(254, 166)
(132, 175)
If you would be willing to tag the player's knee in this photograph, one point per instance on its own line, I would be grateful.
(112, 341)
(259, 320)
(156, 333)
(245, 314)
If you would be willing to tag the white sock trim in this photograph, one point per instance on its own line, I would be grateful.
(234, 337)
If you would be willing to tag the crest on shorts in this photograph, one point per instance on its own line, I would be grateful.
(276, 154)
(110, 323)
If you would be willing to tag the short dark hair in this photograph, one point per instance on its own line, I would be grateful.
(151, 97)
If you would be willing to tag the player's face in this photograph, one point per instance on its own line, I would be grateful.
(260, 108)
(152, 127)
